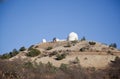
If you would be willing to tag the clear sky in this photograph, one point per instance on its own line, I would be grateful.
(27, 22)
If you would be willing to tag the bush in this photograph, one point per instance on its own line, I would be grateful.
(82, 49)
(60, 56)
(19, 69)
(83, 39)
(63, 67)
(92, 43)
(31, 47)
(113, 45)
(10, 54)
(36, 46)
(53, 53)
(14, 52)
(51, 68)
(33, 52)
(76, 61)
(28, 64)
(5, 56)
(109, 52)
(49, 48)
(22, 48)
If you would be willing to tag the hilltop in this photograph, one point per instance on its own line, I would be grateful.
(78, 59)
(89, 53)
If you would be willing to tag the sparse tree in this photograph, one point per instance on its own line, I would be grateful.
(92, 43)
(113, 45)
(60, 56)
(33, 52)
(31, 47)
(22, 48)
(83, 38)
(49, 48)
(14, 52)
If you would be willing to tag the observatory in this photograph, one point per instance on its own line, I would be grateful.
(72, 36)
(44, 41)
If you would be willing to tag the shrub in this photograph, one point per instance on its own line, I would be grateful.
(51, 68)
(5, 56)
(28, 64)
(53, 53)
(76, 61)
(31, 47)
(63, 67)
(82, 49)
(60, 56)
(22, 48)
(92, 43)
(83, 38)
(14, 52)
(36, 46)
(113, 45)
(10, 54)
(109, 52)
(49, 48)
(33, 52)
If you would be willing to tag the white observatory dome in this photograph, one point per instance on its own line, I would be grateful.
(72, 36)
(44, 41)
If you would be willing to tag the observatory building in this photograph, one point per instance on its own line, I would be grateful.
(72, 36)
(44, 41)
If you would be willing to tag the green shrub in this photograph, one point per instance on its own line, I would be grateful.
(83, 39)
(60, 56)
(33, 52)
(5, 56)
(51, 68)
(10, 54)
(22, 48)
(28, 64)
(53, 53)
(113, 45)
(36, 46)
(49, 48)
(76, 61)
(109, 52)
(63, 67)
(82, 49)
(92, 43)
(31, 47)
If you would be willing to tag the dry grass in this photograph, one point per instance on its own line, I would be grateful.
(95, 55)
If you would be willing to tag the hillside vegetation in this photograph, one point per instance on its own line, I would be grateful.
(62, 60)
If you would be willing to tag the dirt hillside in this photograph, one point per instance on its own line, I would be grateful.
(89, 53)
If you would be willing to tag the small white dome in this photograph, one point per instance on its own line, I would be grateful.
(72, 36)
(44, 40)
(57, 39)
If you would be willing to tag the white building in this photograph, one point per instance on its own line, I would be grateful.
(44, 41)
(72, 36)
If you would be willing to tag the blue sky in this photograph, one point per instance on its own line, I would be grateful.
(27, 22)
